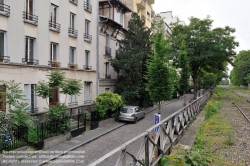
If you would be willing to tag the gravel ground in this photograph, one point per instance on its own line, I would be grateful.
(239, 152)
(101, 146)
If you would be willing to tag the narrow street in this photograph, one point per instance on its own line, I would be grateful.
(101, 146)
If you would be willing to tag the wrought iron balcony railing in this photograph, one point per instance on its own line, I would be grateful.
(88, 102)
(107, 51)
(107, 76)
(74, 1)
(87, 36)
(30, 61)
(4, 9)
(72, 32)
(73, 66)
(54, 64)
(4, 59)
(54, 26)
(87, 6)
(86, 67)
(30, 18)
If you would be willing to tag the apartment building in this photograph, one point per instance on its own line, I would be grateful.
(169, 18)
(144, 8)
(38, 36)
(111, 30)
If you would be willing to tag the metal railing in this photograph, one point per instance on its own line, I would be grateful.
(74, 1)
(72, 104)
(88, 102)
(87, 36)
(72, 32)
(54, 64)
(54, 26)
(4, 59)
(107, 76)
(30, 61)
(107, 51)
(151, 147)
(4, 9)
(86, 67)
(87, 6)
(30, 17)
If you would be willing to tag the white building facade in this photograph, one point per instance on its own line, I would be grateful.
(38, 36)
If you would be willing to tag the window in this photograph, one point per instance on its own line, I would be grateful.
(54, 99)
(107, 75)
(29, 7)
(87, 5)
(4, 8)
(72, 21)
(87, 26)
(72, 101)
(107, 40)
(87, 58)
(53, 13)
(53, 52)
(72, 56)
(2, 45)
(29, 49)
(29, 91)
(87, 99)
(148, 15)
(2, 99)
(106, 89)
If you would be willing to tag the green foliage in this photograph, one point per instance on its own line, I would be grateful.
(32, 135)
(160, 88)
(206, 48)
(211, 108)
(56, 77)
(108, 101)
(224, 82)
(43, 90)
(57, 112)
(71, 87)
(130, 62)
(241, 71)
(158, 25)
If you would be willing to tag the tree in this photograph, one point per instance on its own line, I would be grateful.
(107, 103)
(185, 71)
(204, 45)
(130, 63)
(160, 76)
(241, 68)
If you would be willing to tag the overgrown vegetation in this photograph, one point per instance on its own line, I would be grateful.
(215, 134)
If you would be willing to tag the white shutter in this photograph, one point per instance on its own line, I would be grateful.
(27, 92)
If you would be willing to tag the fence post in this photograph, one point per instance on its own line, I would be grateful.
(146, 152)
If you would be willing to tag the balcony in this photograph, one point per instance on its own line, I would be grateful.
(152, 14)
(87, 6)
(107, 52)
(141, 4)
(72, 32)
(107, 76)
(151, 1)
(73, 66)
(30, 61)
(143, 17)
(87, 37)
(88, 102)
(74, 1)
(4, 9)
(73, 104)
(29, 18)
(4, 59)
(54, 64)
(86, 67)
(54, 26)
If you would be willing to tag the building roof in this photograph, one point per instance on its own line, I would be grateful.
(116, 4)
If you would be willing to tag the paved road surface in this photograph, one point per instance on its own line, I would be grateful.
(101, 146)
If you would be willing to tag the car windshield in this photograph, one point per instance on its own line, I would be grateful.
(127, 110)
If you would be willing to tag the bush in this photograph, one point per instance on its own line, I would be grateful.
(108, 103)
(211, 108)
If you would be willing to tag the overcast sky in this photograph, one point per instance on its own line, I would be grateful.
(234, 13)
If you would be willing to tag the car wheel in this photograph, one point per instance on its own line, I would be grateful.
(136, 120)
(143, 116)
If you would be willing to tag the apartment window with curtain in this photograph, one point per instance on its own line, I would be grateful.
(53, 52)
(29, 11)
(72, 55)
(53, 18)
(107, 74)
(87, 35)
(87, 65)
(72, 21)
(29, 91)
